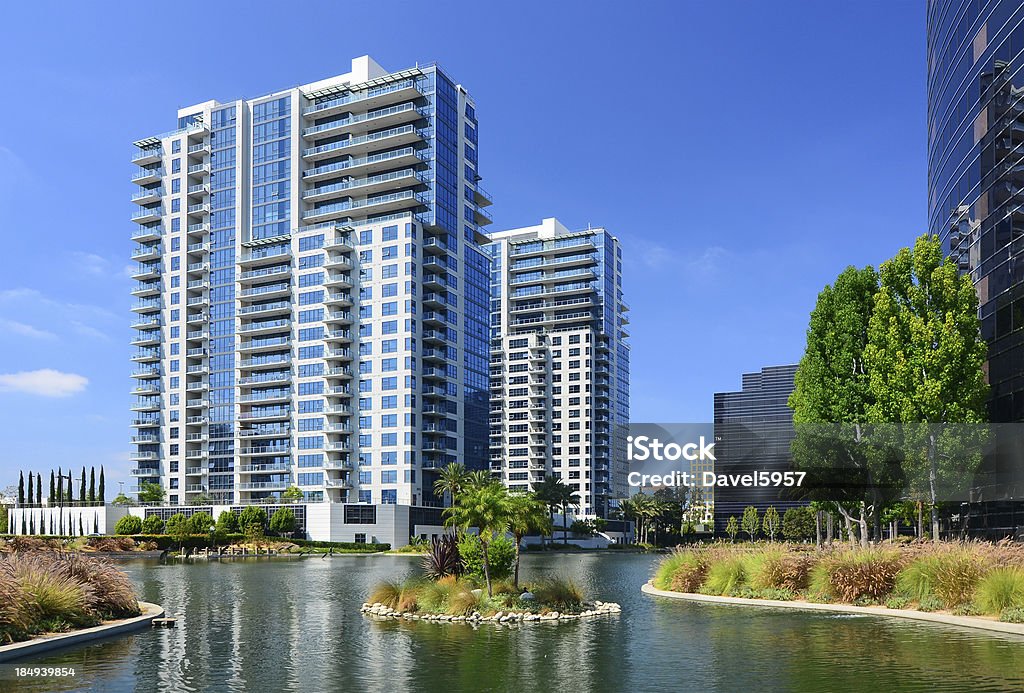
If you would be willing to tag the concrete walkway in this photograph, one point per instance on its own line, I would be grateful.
(946, 619)
(45, 643)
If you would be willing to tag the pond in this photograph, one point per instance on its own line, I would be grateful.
(294, 625)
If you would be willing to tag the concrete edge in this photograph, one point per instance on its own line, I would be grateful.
(45, 643)
(912, 614)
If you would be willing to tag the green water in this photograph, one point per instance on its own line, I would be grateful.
(294, 625)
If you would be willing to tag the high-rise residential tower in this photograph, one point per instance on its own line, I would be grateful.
(312, 294)
(976, 172)
(559, 361)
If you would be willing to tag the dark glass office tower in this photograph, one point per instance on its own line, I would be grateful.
(976, 171)
(753, 433)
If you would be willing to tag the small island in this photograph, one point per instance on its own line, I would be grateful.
(472, 574)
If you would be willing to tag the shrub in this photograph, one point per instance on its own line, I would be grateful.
(387, 593)
(283, 521)
(442, 558)
(111, 544)
(112, 594)
(178, 524)
(929, 603)
(153, 525)
(227, 522)
(129, 524)
(951, 576)
(51, 598)
(683, 570)
(434, 596)
(965, 610)
(1014, 615)
(557, 594)
(785, 571)
(896, 602)
(1002, 588)
(849, 575)
(726, 576)
(501, 553)
(200, 523)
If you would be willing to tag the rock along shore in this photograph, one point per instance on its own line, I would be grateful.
(591, 609)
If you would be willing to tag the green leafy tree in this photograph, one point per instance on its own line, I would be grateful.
(282, 521)
(200, 522)
(771, 522)
(486, 508)
(153, 525)
(925, 358)
(292, 494)
(129, 524)
(832, 398)
(751, 522)
(122, 499)
(501, 555)
(151, 493)
(526, 515)
(479, 478)
(227, 522)
(798, 524)
(179, 528)
(451, 481)
(253, 522)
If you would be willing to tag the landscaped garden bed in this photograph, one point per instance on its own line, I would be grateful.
(963, 579)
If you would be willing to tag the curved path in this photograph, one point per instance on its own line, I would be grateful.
(946, 619)
(46, 643)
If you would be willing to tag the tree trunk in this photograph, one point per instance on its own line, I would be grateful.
(863, 525)
(487, 568)
(920, 520)
(932, 474)
(515, 577)
(830, 528)
(817, 528)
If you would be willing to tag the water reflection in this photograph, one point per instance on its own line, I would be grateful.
(293, 625)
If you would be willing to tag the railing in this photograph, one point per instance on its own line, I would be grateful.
(360, 96)
(362, 139)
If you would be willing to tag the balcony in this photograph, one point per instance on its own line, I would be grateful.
(271, 361)
(198, 169)
(148, 306)
(148, 155)
(264, 485)
(266, 414)
(148, 252)
(365, 166)
(146, 339)
(197, 267)
(146, 355)
(337, 483)
(196, 229)
(264, 272)
(368, 98)
(364, 186)
(264, 450)
(145, 438)
(146, 421)
(268, 290)
(266, 379)
(146, 373)
(393, 137)
(266, 308)
(371, 205)
(146, 404)
(341, 279)
(147, 289)
(371, 120)
(268, 396)
(343, 298)
(197, 318)
(264, 468)
(199, 148)
(147, 271)
(146, 215)
(342, 316)
(199, 209)
(147, 196)
(266, 327)
(144, 176)
(268, 344)
(147, 233)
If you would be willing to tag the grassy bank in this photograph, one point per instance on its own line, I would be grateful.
(967, 579)
(161, 542)
(47, 592)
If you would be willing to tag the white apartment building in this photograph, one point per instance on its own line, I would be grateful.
(312, 293)
(559, 373)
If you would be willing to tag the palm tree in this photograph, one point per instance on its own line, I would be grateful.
(549, 492)
(478, 478)
(487, 509)
(526, 516)
(628, 510)
(452, 481)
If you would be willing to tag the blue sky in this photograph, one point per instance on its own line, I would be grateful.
(743, 152)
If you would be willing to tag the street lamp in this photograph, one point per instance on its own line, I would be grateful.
(213, 537)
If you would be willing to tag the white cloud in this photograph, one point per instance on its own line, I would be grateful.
(45, 382)
(25, 330)
(89, 331)
(90, 263)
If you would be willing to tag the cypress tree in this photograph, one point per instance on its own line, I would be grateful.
(92, 484)
(71, 486)
(81, 532)
(21, 489)
(39, 488)
(81, 489)
(103, 492)
(30, 494)
(53, 489)
(95, 523)
(60, 484)
(23, 528)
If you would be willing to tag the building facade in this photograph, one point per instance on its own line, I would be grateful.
(976, 171)
(559, 373)
(312, 293)
(753, 432)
